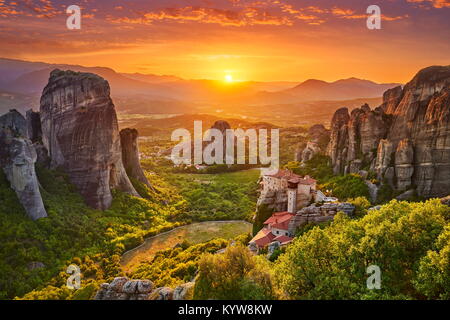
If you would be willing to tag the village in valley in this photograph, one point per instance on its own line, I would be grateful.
(296, 202)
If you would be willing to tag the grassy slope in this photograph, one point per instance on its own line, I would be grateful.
(194, 234)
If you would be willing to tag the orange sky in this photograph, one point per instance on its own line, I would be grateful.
(263, 40)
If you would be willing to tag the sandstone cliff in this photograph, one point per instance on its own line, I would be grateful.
(318, 138)
(17, 159)
(130, 155)
(80, 132)
(222, 126)
(405, 141)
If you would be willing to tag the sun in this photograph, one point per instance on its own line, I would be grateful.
(229, 78)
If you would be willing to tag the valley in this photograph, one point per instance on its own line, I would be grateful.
(144, 219)
(193, 234)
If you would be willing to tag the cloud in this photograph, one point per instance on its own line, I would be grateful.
(243, 17)
(435, 3)
(351, 14)
(37, 8)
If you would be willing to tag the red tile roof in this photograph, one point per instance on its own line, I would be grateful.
(307, 180)
(263, 238)
(283, 239)
(284, 225)
(279, 217)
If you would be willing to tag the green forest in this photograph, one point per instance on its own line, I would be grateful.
(409, 241)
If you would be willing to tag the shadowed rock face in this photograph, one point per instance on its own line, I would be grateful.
(318, 136)
(222, 126)
(410, 130)
(80, 132)
(17, 158)
(130, 155)
(34, 130)
(34, 126)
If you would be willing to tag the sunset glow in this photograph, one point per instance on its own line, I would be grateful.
(268, 40)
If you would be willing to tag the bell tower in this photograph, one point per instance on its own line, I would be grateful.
(292, 195)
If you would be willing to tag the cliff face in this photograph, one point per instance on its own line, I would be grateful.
(17, 159)
(130, 155)
(222, 126)
(80, 132)
(406, 140)
(318, 137)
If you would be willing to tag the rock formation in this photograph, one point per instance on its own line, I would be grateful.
(355, 138)
(318, 214)
(17, 159)
(34, 130)
(130, 155)
(318, 138)
(80, 132)
(222, 126)
(122, 288)
(405, 141)
(34, 126)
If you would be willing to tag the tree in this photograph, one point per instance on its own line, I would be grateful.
(433, 278)
(361, 205)
(348, 186)
(234, 275)
(330, 263)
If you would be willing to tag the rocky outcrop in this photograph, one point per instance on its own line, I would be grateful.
(184, 291)
(318, 214)
(355, 138)
(311, 149)
(80, 132)
(17, 159)
(318, 137)
(222, 126)
(122, 288)
(404, 158)
(446, 200)
(273, 199)
(405, 141)
(34, 130)
(130, 155)
(338, 146)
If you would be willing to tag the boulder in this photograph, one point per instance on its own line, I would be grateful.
(184, 291)
(163, 293)
(121, 288)
(407, 195)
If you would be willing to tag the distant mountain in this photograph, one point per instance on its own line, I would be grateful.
(345, 89)
(317, 90)
(151, 78)
(149, 93)
(30, 78)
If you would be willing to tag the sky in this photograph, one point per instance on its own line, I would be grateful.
(260, 40)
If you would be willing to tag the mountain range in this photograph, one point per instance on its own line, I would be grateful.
(22, 82)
